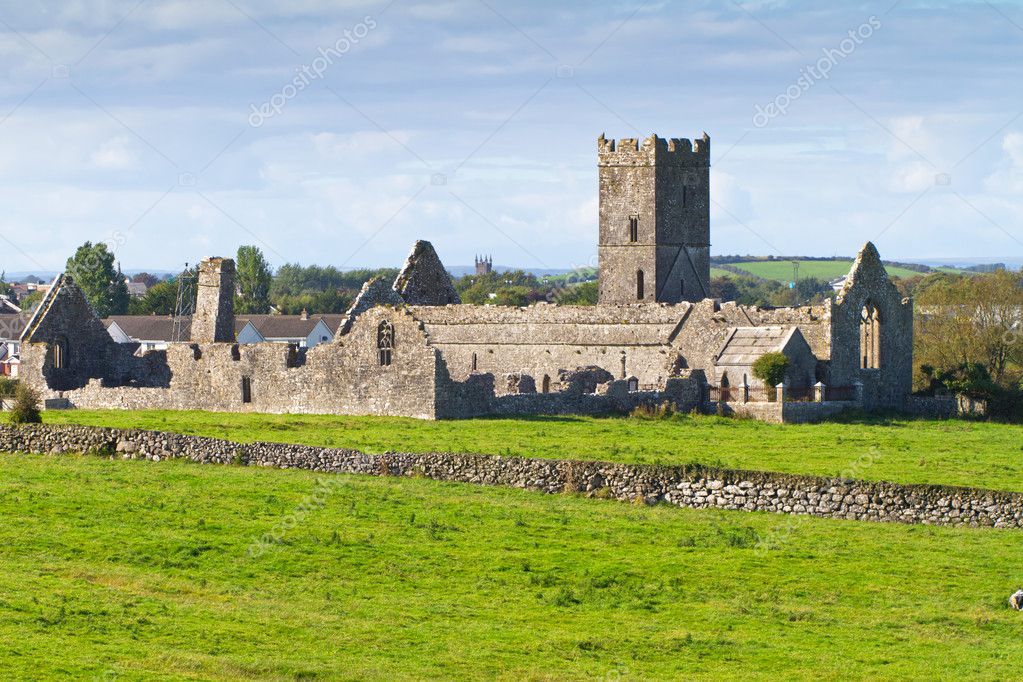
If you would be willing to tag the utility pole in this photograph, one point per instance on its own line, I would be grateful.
(795, 282)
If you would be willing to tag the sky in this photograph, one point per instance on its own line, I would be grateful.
(339, 132)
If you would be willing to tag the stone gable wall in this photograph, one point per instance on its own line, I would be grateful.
(692, 486)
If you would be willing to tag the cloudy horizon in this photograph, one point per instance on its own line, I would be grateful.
(338, 133)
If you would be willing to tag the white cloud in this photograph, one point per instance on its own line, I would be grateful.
(116, 154)
(1008, 178)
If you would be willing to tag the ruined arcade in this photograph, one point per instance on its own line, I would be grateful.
(410, 348)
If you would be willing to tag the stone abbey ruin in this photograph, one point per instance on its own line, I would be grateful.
(410, 348)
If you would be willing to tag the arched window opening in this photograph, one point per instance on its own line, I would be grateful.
(60, 354)
(639, 285)
(634, 229)
(725, 388)
(385, 342)
(546, 384)
(870, 337)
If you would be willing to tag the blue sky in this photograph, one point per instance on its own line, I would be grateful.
(472, 123)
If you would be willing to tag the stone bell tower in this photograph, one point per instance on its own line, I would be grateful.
(654, 220)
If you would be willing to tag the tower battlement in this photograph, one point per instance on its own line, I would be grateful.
(671, 151)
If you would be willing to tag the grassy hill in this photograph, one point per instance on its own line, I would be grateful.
(978, 454)
(781, 270)
(131, 570)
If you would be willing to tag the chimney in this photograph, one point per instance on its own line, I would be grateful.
(305, 314)
(213, 321)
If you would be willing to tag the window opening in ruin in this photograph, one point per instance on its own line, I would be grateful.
(474, 362)
(633, 385)
(682, 286)
(246, 390)
(60, 354)
(385, 342)
(639, 285)
(870, 337)
(634, 229)
(546, 384)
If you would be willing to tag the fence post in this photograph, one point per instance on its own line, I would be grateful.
(780, 392)
(820, 388)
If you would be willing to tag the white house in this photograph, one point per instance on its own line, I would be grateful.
(303, 330)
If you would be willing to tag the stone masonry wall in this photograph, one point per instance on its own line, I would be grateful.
(693, 486)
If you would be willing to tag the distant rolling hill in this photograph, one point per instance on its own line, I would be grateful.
(782, 270)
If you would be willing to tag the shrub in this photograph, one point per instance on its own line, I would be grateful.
(26, 406)
(664, 410)
(770, 368)
(7, 386)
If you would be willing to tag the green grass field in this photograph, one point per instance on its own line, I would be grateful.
(781, 270)
(977, 454)
(131, 570)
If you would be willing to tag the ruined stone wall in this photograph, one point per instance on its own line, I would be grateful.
(542, 340)
(691, 486)
(344, 377)
(814, 323)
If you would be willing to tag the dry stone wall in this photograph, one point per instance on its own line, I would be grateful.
(693, 486)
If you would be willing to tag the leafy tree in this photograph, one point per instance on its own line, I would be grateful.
(254, 278)
(146, 278)
(515, 296)
(120, 298)
(92, 268)
(770, 368)
(585, 293)
(30, 300)
(159, 299)
(966, 320)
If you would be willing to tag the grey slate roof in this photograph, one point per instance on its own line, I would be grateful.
(161, 327)
(150, 327)
(746, 344)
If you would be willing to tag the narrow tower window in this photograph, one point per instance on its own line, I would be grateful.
(385, 342)
(246, 390)
(639, 285)
(634, 229)
(475, 364)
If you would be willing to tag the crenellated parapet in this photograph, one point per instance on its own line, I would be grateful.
(630, 151)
